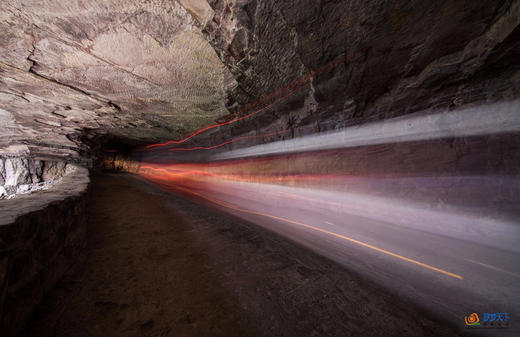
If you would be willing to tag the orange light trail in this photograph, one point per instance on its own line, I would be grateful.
(301, 224)
(242, 178)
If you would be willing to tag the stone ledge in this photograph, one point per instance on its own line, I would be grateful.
(70, 185)
(41, 236)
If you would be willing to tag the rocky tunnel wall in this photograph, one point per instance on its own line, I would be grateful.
(353, 62)
(48, 100)
(41, 236)
(24, 175)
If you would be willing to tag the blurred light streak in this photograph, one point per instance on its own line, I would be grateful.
(196, 174)
(398, 210)
(298, 223)
(436, 190)
(497, 118)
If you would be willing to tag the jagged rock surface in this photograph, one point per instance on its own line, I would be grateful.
(395, 57)
(23, 175)
(138, 70)
(143, 71)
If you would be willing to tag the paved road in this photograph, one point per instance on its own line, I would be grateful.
(450, 263)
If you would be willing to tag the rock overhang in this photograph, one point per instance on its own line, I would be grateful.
(140, 71)
(145, 72)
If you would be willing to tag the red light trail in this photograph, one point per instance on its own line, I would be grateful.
(298, 84)
(225, 123)
(228, 142)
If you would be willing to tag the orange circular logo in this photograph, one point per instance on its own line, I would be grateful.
(472, 319)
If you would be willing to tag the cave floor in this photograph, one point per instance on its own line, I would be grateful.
(157, 264)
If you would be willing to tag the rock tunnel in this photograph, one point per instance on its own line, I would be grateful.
(259, 168)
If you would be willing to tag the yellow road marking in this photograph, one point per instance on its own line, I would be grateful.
(361, 243)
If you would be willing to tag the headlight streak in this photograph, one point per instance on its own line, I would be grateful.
(298, 223)
(408, 213)
(399, 200)
(498, 118)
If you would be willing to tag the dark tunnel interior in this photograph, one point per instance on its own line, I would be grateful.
(259, 168)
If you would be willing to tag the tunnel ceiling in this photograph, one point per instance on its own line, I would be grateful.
(139, 70)
(147, 71)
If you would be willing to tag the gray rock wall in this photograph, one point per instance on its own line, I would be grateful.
(41, 236)
(25, 175)
(144, 71)
(140, 70)
(395, 57)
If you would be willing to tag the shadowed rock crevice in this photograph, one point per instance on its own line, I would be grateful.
(109, 103)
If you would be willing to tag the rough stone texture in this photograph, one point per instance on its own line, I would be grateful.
(22, 175)
(143, 71)
(396, 57)
(41, 236)
(139, 70)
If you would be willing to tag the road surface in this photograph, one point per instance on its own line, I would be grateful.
(450, 263)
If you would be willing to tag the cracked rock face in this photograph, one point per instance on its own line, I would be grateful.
(397, 57)
(148, 71)
(136, 69)
(22, 175)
